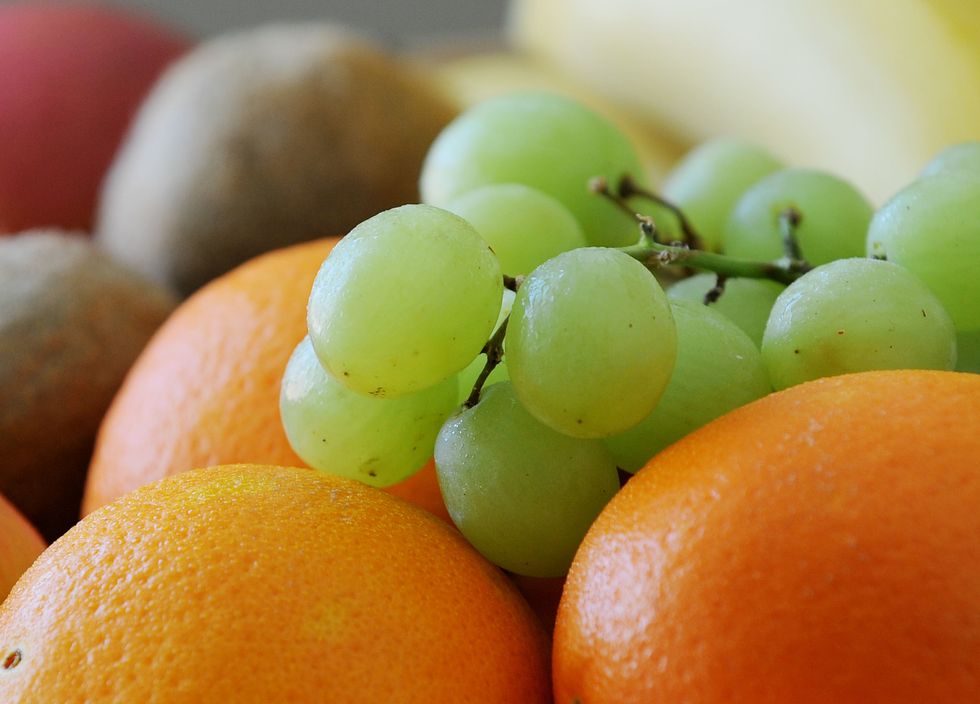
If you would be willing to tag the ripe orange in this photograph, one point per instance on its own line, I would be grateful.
(205, 391)
(818, 545)
(266, 584)
(20, 543)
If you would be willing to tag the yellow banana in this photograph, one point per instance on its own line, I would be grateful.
(869, 89)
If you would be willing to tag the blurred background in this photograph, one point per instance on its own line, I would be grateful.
(402, 24)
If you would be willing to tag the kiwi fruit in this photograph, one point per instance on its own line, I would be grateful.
(72, 322)
(261, 139)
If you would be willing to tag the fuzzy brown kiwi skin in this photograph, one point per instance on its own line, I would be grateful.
(72, 322)
(263, 139)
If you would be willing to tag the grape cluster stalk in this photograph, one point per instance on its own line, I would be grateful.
(514, 326)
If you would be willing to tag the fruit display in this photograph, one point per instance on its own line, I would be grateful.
(674, 340)
(72, 321)
(71, 78)
(261, 139)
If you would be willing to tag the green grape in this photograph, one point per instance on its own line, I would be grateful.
(590, 342)
(718, 369)
(377, 441)
(710, 179)
(406, 300)
(968, 351)
(964, 158)
(932, 228)
(746, 302)
(523, 226)
(521, 493)
(467, 377)
(835, 217)
(545, 141)
(855, 315)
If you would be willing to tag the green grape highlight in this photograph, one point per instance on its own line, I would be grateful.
(708, 181)
(521, 493)
(523, 226)
(544, 141)
(834, 225)
(746, 302)
(404, 301)
(855, 315)
(590, 342)
(718, 369)
(962, 158)
(377, 441)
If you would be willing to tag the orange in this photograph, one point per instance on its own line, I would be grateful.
(20, 543)
(818, 545)
(205, 391)
(266, 584)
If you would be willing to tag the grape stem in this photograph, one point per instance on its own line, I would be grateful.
(653, 254)
(628, 188)
(494, 350)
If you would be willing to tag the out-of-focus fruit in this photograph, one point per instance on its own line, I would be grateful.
(71, 78)
(72, 321)
(262, 139)
(817, 545)
(258, 584)
(862, 93)
(206, 389)
(20, 544)
(471, 78)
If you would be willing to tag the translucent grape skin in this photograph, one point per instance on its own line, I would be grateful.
(522, 494)
(834, 225)
(932, 228)
(718, 369)
(855, 315)
(337, 431)
(746, 302)
(523, 226)
(590, 342)
(961, 158)
(545, 141)
(709, 180)
(404, 301)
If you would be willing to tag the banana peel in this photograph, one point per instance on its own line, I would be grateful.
(868, 89)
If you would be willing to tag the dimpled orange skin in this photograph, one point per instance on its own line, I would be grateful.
(205, 391)
(818, 545)
(20, 544)
(264, 584)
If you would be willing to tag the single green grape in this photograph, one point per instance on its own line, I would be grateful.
(963, 158)
(718, 369)
(856, 315)
(932, 228)
(522, 494)
(746, 302)
(469, 375)
(523, 226)
(377, 441)
(590, 342)
(834, 223)
(404, 301)
(708, 181)
(541, 140)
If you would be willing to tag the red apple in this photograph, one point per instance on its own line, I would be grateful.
(71, 77)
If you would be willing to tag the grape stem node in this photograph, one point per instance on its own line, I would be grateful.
(494, 350)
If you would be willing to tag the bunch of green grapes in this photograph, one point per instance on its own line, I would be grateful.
(513, 326)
